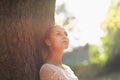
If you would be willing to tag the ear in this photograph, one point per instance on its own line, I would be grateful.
(47, 42)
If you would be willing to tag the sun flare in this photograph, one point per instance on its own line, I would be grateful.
(88, 17)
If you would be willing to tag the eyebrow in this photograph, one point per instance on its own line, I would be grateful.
(64, 32)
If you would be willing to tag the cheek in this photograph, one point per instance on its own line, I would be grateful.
(55, 39)
(55, 42)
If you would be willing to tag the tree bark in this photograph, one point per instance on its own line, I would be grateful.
(22, 24)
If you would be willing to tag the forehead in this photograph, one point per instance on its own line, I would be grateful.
(58, 29)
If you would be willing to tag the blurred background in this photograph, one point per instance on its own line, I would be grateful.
(93, 28)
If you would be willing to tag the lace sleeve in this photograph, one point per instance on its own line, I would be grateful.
(49, 73)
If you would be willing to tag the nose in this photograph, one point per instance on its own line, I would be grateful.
(65, 37)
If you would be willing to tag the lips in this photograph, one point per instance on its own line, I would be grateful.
(65, 42)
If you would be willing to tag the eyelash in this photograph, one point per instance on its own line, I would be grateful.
(64, 33)
(57, 33)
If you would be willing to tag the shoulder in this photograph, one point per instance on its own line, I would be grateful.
(48, 67)
(66, 66)
(47, 72)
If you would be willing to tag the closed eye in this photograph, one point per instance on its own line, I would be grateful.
(58, 33)
(61, 33)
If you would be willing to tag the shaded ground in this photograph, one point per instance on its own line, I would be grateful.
(92, 72)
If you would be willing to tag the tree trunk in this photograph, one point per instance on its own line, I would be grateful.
(22, 24)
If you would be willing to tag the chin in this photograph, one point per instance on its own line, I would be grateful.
(65, 47)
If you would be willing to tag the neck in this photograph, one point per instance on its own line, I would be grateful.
(55, 58)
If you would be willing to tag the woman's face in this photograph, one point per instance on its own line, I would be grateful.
(58, 39)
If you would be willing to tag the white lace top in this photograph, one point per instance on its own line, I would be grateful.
(52, 72)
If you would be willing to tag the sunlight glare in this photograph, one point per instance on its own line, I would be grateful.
(89, 15)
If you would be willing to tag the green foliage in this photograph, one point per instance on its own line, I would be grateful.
(94, 54)
(111, 42)
(113, 18)
(97, 56)
(114, 58)
(107, 44)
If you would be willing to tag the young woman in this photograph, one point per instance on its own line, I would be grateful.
(55, 42)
